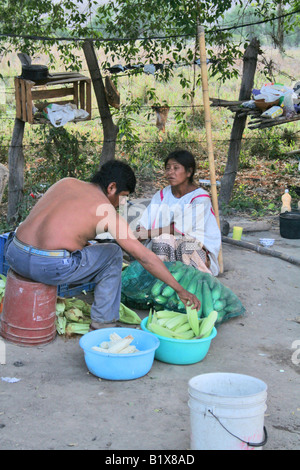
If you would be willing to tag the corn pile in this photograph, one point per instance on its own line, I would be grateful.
(181, 325)
(73, 316)
(117, 345)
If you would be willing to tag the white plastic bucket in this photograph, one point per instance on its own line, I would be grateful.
(227, 412)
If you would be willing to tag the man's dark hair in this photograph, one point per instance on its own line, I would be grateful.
(185, 158)
(115, 171)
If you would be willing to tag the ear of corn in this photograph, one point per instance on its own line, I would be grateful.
(193, 319)
(149, 317)
(76, 328)
(207, 324)
(160, 330)
(182, 328)
(166, 314)
(176, 321)
(186, 335)
(61, 323)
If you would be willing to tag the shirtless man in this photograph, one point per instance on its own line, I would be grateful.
(52, 244)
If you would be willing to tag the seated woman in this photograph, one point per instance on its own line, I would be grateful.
(179, 224)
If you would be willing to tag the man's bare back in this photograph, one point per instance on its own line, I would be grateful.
(65, 217)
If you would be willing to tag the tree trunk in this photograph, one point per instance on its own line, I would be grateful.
(16, 172)
(110, 130)
(239, 123)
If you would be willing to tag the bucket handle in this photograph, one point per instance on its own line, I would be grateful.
(250, 444)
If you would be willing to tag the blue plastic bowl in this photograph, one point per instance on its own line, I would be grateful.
(180, 351)
(119, 366)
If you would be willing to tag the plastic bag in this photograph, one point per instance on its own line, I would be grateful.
(59, 115)
(143, 291)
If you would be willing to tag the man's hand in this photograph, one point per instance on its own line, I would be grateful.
(189, 299)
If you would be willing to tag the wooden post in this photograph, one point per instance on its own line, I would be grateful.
(239, 123)
(204, 79)
(110, 130)
(16, 172)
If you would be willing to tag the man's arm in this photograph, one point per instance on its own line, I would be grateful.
(124, 236)
(144, 234)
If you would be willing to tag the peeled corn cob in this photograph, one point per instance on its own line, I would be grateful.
(99, 349)
(117, 346)
(114, 337)
(129, 350)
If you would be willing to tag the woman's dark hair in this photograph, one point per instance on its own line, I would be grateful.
(186, 159)
(115, 171)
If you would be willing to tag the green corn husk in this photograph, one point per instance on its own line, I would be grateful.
(193, 319)
(126, 315)
(161, 330)
(61, 323)
(166, 314)
(149, 318)
(182, 328)
(74, 328)
(76, 315)
(207, 324)
(60, 306)
(176, 321)
(186, 335)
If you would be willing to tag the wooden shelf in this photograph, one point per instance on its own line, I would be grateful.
(257, 122)
(73, 86)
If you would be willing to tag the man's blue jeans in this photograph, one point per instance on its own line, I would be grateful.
(98, 263)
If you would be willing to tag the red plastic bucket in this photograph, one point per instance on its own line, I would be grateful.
(29, 311)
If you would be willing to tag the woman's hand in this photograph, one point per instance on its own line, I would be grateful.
(189, 299)
(143, 234)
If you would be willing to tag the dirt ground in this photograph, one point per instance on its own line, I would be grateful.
(57, 404)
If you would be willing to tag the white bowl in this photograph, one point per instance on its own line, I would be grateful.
(266, 241)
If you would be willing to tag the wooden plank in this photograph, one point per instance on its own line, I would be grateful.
(82, 95)
(75, 90)
(57, 93)
(65, 74)
(61, 102)
(89, 98)
(70, 80)
(18, 98)
(29, 102)
(225, 103)
(274, 122)
(23, 101)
